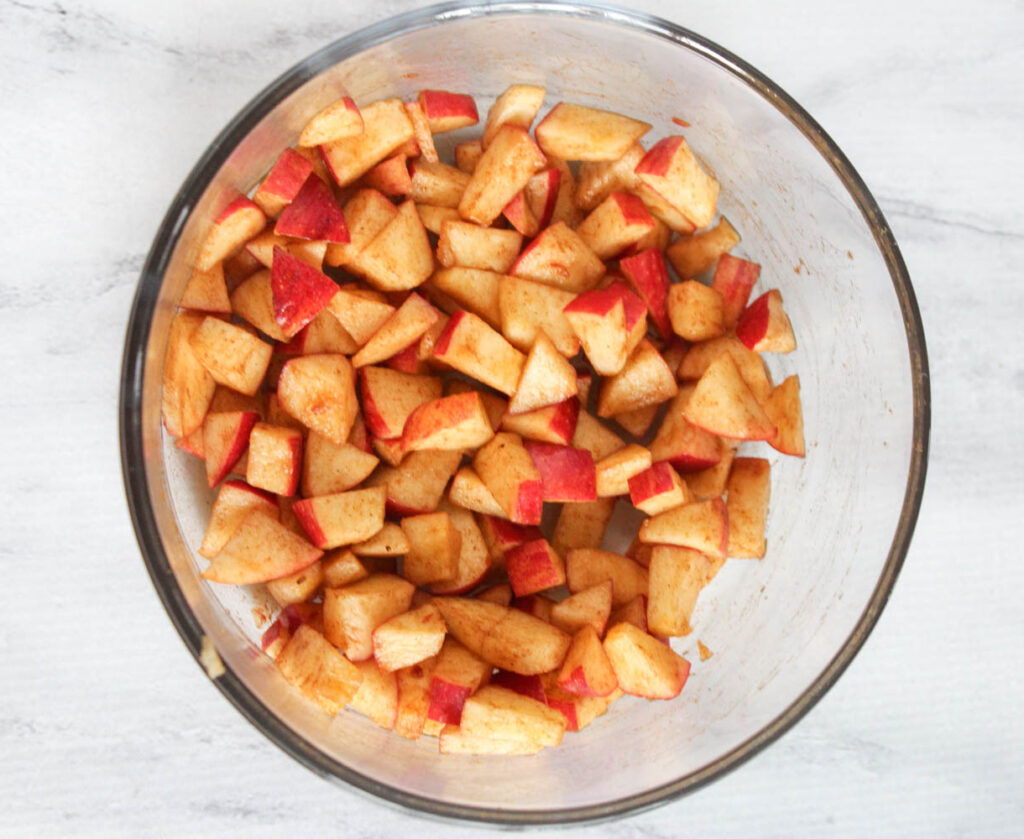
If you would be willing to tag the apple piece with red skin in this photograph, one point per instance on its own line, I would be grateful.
(472, 289)
(749, 490)
(390, 176)
(456, 422)
(582, 525)
(579, 711)
(710, 482)
(643, 665)
(309, 251)
(533, 604)
(452, 740)
(207, 292)
(647, 273)
(609, 322)
(238, 222)
(696, 311)
(504, 465)
(509, 160)
(644, 380)
(673, 172)
(784, 412)
(541, 194)
(534, 567)
(225, 438)
(287, 621)
(658, 236)
(323, 334)
(313, 214)
(361, 312)
(502, 535)
(468, 154)
(253, 301)
(693, 255)
(586, 670)
(377, 697)
(633, 612)
(517, 105)
(366, 213)
(407, 324)
(474, 559)
(283, 182)
(470, 346)
(734, 278)
(463, 244)
(299, 291)
(320, 392)
(531, 686)
(192, 443)
(389, 397)
(187, 386)
(701, 525)
(614, 471)
(576, 132)
(235, 500)
(527, 308)
(323, 674)
(399, 257)
(468, 491)
(386, 126)
(588, 567)
(353, 612)
(298, 587)
(616, 223)
(418, 483)
(328, 468)
(520, 215)
(413, 698)
(437, 184)
(599, 179)
(547, 379)
(764, 326)
(342, 567)
(434, 545)
(338, 120)
(233, 356)
(657, 489)
(686, 447)
(457, 676)
(342, 518)
(566, 474)
(700, 356)
(723, 404)
(495, 405)
(409, 638)
(560, 258)
(590, 607)
(259, 550)
(663, 211)
(446, 111)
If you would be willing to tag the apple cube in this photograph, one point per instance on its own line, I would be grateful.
(663, 211)
(547, 378)
(616, 223)
(657, 489)
(560, 258)
(682, 444)
(342, 567)
(299, 291)
(386, 126)
(390, 540)
(677, 576)
(644, 380)
(566, 474)
(417, 485)
(360, 312)
(693, 255)
(508, 162)
(207, 292)
(343, 517)
(749, 489)
(447, 111)
(588, 567)
(784, 412)
(470, 288)
(457, 675)
(320, 392)
(235, 500)
(643, 665)
(527, 308)
(399, 257)
(454, 422)
(582, 525)
(390, 176)
(422, 135)
(474, 559)
(579, 711)
(434, 217)
(504, 465)
(238, 222)
(552, 424)
(517, 106)
(733, 279)
(329, 468)
(673, 172)
(646, 272)
(576, 132)
(377, 697)
(323, 334)
(253, 301)
(313, 214)
(501, 535)
(470, 346)
(599, 179)
(275, 458)
(541, 194)
(697, 311)
(638, 420)
(260, 549)
(701, 525)
(710, 482)
(468, 154)
(586, 670)
(590, 607)
(723, 404)
(407, 324)
(232, 356)
(282, 183)
(409, 638)
(501, 714)
(634, 612)
(614, 471)
(596, 438)
(454, 741)
(434, 544)
(437, 184)
(366, 213)
(413, 698)
(225, 438)
(520, 214)
(469, 246)
(764, 326)
(534, 567)
(338, 120)
(468, 491)
(389, 397)
(323, 674)
(353, 612)
(609, 322)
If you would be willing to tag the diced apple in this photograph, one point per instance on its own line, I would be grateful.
(527, 308)
(520, 214)
(437, 184)
(434, 217)
(313, 214)
(342, 518)
(298, 587)
(353, 612)
(509, 160)
(470, 346)
(677, 576)
(323, 674)
(390, 540)
(501, 714)
(643, 665)
(590, 607)
(360, 312)
(407, 324)
(696, 310)
(634, 612)
(501, 535)
(329, 468)
(616, 223)
(417, 485)
(447, 111)
(560, 258)
(764, 326)
(541, 195)
(576, 132)
(235, 500)
(232, 356)
(399, 257)
(468, 154)
(434, 545)
(552, 424)
(566, 474)
(342, 567)
(472, 289)
(588, 567)
(638, 420)
(663, 211)
(536, 605)
(320, 392)
(253, 301)
(701, 525)
(672, 170)
(389, 397)
(700, 356)
(734, 278)
(517, 106)
(457, 675)
(657, 489)
(693, 255)
(586, 670)
(644, 380)
(207, 292)
(599, 179)
(682, 444)
(647, 273)
(323, 334)
(723, 404)
(260, 549)
(547, 378)
(377, 696)
(710, 482)
(386, 126)
(338, 120)
(299, 291)
(390, 176)
(421, 132)
(534, 567)
(468, 491)
(283, 182)
(454, 422)
(784, 412)
(582, 525)
(614, 471)
(579, 711)
(596, 438)
(609, 322)
(409, 638)
(413, 698)
(238, 222)
(749, 489)
(506, 468)
(275, 458)
(367, 213)
(469, 246)
(225, 438)
(474, 559)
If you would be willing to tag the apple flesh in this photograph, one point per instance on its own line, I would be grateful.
(418, 483)
(474, 559)
(576, 132)
(207, 291)
(399, 257)
(320, 392)
(657, 489)
(643, 665)
(353, 612)
(582, 525)
(366, 213)
(313, 214)
(764, 326)
(693, 255)
(238, 222)
(672, 171)
(506, 468)
(389, 397)
(259, 550)
(328, 468)
(616, 223)
(784, 412)
(588, 567)
(734, 278)
(338, 120)
(235, 500)
(614, 471)
(275, 458)
(434, 544)
(472, 289)
(342, 518)
(599, 179)
(447, 111)
(589, 607)
(722, 404)
(551, 424)
(469, 246)
(407, 324)
(457, 675)
(749, 490)
(470, 346)
(610, 323)
(454, 422)
(386, 126)
(560, 258)
(509, 161)
(644, 380)
(409, 638)
(517, 106)
(323, 674)
(586, 670)
(437, 184)
(547, 378)
(701, 525)
(677, 576)
(646, 272)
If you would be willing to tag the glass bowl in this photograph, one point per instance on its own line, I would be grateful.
(783, 629)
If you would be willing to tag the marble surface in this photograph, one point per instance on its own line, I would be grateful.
(108, 728)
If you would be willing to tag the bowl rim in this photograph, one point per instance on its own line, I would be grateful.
(145, 303)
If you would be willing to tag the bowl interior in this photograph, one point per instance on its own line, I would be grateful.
(775, 625)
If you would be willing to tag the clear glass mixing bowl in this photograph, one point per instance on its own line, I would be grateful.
(783, 629)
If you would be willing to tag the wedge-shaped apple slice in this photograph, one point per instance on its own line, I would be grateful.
(672, 171)
(614, 471)
(784, 411)
(238, 222)
(207, 292)
(722, 404)
(192, 443)
(470, 346)
(434, 545)
(764, 326)
(407, 324)
(446, 111)
(566, 473)
(517, 106)
(421, 133)
(637, 421)
(366, 213)
(579, 711)
(472, 289)
(547, 378)
(323, 674)
(657, 237)
(328, 468)
(323, 334)
(560, 258)
(633, 612)
(588, 608)
(468, 491)
(599, 179)
(734, 278)
(283, 182)
(390, 176)
(646, 272)
(290, 619)
(696, 310)
(507, 164)
(751, 366)
(663, 211)
(504, 637)
(187, 386)
(527, 308)
(552, 424)
(470, 246)
(643, 665)
(389, 397)
(235, 500)
(342, 518)
(657, 489)
(260, 549)
(386, 126)
(501, 714)
(582, 525)
(500, 594)
(409, 638)
(353, 612)
(454, 422)
(298, 587)
(586, 670)
(596, 438)
(588, 567)
(342, 567)
(609, 322)
(457, 675)
(299, 291)
(701, 525)
(541, 194)
(533, 567)
(616, 223)
(677, 577)
(361, 312)
(399, 257)
(337, 121)
(377, 697)
(313, 214)
(417, 485)
(749, 489)
(275, 458)
(319, 391)
(504, 465)
(474, 560)
(693, 255)
(644, 380)
(710, 482)
(253, 301)
(434, 217)
(437, 184)
(521, 216)
(231, 355)
(576, 132)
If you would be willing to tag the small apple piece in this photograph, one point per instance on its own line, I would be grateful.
(663, 211)
(596, 438)
(504, 637)
(509, 161)
(337, 121)
(313, 214)
(390, 540)
(560, 258)
(353, 612)
(501, 535)
(298, 587)
(342, 568)
(566, 474)
(647, 273)
(517, 106)
(207, 292)
(328, 468)
(599, 179)
(437, 184)
(323, 674)
(457, 676)
(547, 378)
(468, 491)
(342, 518)
(469, 246)
(533, 604)
(784, 411)
(447, 111)
(434, 545)
(472, 289)
(701, 525)
(235, 500)
(468, 154)
(399, 257)
(454, 422)
(386, 126)
(421, 132)
(260, 549)
(418, 484)
(434, 217)
(470, 346)
(643, 665)
(390, 176)
(534, 567)
(225, 438)
(634, 612)
(253, 301)
(323, 334)
(474, 559)
(749, 490)
(377, 697)
(672, 171)
(320, 392)
(616, 223)
(551, 424)
(520, 215)
(454, 741)
(501, 714)
(282, 183)
(644, 380)
(531, 686)
(409, 638)
(676, 577)
(693, 255)
(638, 420)
(590, 607)
(576, 132)
(413, 698)
(657, 489)
(613, 472)
(299, 291)
(582, 525)
(700, 356)
(710, 482)
(232, 356)
(586, 670)
(723, 404)
(238, 222)
(407, 324)
(366, 213)
(696, 311)
(610, 323)
(275, 458)
(504, 465)
(734, 278)
(541, 194)
(389, 397)
(360, 312)
(764, 326)
(588, 567)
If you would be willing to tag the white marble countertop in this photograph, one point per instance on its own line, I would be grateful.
(107, 727)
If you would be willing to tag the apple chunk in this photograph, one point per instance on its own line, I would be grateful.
(657, 489)
(517, 106)
(672, 171)
(389, 397)
(643, 665)
(560, 258)
(260, 549)
(232, 356)
(238, 222)
(342, 518)
(283, 182)
(749, 489)
(693, 255)
(586, 670)
(447, 111)
(275, 458)
(647, 273)
(434, 545)
(501, 714)
(320, 392)
(408, 639)
(765, 327)
(610, 322)
(353, 612)
(323, 674)
(616, 223)
(676, 577)
(576, 132)
(235, 500)
(508, 162)
(527, 308)
(644, 380)
(399, 257)
(696, 311)
(547, 378)
(566, 474)
(328, 468)
(338, 120)
(299, 291)
(587, 567)
(589, 607)
(386, 126)
(313, 214)
(187, 386)
(457, 675)
(470, 346)
(508, 471)
(734, 278)
(784, 411)
(533, 567)
(701, 525)
(723, 404)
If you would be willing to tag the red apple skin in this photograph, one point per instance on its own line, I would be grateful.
(313, 214)
(371, 414)
(568, 710)
(238, 445)
(633, 210)
(287, 176)
(444, 340)
(299, 291)
(553, 181)
(530, 568)
(446, 701)
(577, 683)
(449, 110)
(566, 474)
(425, 420)
(239, 203)
(734, 278)
(653, 481)
(304, 513)
(272, 633)
(407, 360)
(658, 159)
(509, 534)
(295, 443)
(753, 323)
(269, 497)
(601, 301)
(646, 271)
(529, 506)
(564, 418)
(530, 686)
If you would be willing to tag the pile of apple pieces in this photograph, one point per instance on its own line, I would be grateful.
(386, 398)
